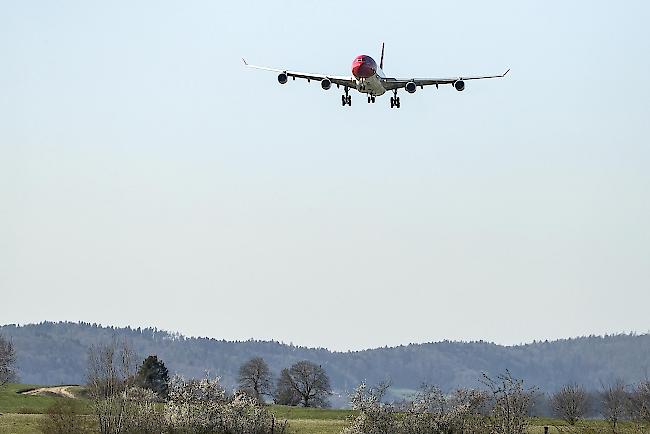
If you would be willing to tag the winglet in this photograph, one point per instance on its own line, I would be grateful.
(244, 60)
(381, 62)
(506, 73)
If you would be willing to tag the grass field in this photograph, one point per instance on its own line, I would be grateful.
(12, 401)
(22, 414)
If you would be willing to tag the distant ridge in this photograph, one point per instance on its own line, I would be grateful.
(55, 353)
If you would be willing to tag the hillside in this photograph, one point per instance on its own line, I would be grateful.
(55, 353)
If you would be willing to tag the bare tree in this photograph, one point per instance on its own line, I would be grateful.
(111, 373)
(614, 403)
(255, 378)
(639, 405)
(307, 381)
(7, 361)
(571, 403)
(511, 403)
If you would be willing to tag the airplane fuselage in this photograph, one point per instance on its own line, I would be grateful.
(368, 75)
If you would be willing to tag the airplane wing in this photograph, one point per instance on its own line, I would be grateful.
(398, 83)
(339, 80)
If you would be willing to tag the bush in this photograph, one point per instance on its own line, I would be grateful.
(202, 406)
(375, 417)
(62, 418)
(501, 410)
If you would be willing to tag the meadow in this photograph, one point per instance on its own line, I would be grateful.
(23, 414)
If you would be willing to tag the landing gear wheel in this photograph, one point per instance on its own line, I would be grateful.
(372, 99)
(394, 100)
(369, 100)
(346, 99)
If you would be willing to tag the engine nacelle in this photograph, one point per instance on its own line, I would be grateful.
(325, 83)
(282, 78)
(410, 87)
(459, 85)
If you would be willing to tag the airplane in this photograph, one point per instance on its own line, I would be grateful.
(369, 79)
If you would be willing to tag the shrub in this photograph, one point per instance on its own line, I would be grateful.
(62, 418)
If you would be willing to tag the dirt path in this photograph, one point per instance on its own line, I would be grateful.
(62, 391)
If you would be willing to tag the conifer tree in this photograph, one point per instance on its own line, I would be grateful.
(153, 375)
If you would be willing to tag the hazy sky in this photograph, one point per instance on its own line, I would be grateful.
(148, 179)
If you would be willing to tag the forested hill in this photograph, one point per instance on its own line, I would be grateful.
(55, 353)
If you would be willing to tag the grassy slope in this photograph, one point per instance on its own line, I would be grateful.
(12, 401)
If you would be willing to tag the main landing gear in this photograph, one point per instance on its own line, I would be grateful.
(371, 99)
(394, 100)
(346, 99)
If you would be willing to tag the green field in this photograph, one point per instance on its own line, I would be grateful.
(22, 414)
(12, 401)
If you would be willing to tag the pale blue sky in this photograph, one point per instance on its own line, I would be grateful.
(147, 178)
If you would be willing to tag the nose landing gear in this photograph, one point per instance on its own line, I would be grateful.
(394, 100)
(371, 99)
(346, 99)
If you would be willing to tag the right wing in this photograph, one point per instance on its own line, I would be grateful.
(397, 83)
(338, 80)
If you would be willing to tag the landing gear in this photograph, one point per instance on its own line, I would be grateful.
(346, 99)
(394, 100)
(371, 99)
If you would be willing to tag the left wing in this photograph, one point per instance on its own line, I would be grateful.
(339, 80)
(398, 83)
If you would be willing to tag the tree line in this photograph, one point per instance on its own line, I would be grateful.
(131, 397)
(54, 353)
(303, 383)
(143, 399)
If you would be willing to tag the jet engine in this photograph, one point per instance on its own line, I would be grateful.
(410, 87)
(459, 85)
(282, 78)
(325, 83)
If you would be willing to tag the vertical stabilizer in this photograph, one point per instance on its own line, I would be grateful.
(381, 62)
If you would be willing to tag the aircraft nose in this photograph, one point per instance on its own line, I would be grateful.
(363, 70)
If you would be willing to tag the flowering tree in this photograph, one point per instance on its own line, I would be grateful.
(432, 411)
(202, 406)
(375, 417)
(429, 411)
(195, 405)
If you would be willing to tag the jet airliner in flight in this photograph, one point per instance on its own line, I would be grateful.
(369, 79)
